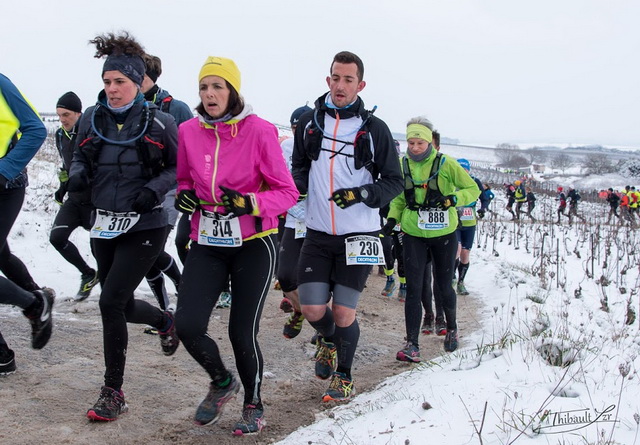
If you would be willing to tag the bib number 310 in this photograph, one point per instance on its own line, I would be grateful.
(364, 250)
(111, 224)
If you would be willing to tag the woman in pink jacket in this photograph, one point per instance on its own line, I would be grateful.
(233, 178)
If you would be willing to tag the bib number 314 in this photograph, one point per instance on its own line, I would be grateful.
(217, 230)
(364, 250)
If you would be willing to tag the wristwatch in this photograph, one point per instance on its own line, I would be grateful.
(364, 194)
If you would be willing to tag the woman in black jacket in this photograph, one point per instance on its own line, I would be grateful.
(126, 154)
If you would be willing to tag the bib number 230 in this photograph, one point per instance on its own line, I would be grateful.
(364, 250)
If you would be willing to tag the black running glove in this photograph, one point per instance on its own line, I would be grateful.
(78, 182)
(347, 197)
(235, 202)
(186, 202)
(443, 202)
(145, 202)
(387, 229)
(59, 194)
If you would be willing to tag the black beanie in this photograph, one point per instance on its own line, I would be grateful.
(70, 101)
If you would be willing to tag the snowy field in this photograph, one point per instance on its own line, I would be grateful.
(556, 361)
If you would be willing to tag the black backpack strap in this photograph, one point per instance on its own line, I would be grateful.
(165, 104)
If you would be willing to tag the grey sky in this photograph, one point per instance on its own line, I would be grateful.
(483, 71)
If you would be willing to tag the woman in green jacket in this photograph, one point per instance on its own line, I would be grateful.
(433, 186)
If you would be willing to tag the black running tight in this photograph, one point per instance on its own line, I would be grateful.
(205, 275)
(122, 263)
(10, 265)
(417, 251)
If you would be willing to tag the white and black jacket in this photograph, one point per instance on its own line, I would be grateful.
(353, 149)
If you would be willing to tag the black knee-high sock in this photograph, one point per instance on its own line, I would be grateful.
(346, 340)
(326, 326)
(462, 271)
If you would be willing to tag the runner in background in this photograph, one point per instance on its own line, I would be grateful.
(293, 234)
(466, 231)
(392, 248)
(165, 264)
(76, 211)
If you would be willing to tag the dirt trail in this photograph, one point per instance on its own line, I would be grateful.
(46, 399)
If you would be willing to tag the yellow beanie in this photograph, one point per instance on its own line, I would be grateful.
(419, 131)
(221, 67)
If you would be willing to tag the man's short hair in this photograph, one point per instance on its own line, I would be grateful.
(436, 138)
(153, 66)
(349, 57)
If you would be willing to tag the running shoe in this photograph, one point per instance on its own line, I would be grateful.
(326, 358)
(252, 421)
(210, 409)
(42, 323)
(389, 287)
(461, 289)
(87, 282)
(150, 330)
(410, 353)
(169, 340)
(402, 293)
(293, 326)
(7, 362)
(451, 340)
(340, 389)
(224, 301)
(441, 326)
(109, 406)
(427, 324)
(285, 305)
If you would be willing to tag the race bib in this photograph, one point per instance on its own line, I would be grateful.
(111, 224)
(300, 229)
(219, 230)
(363, 250)
(467, 214)
(433, 219)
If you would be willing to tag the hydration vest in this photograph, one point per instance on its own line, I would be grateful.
(430, 184)
(150, 152)
(363, 156)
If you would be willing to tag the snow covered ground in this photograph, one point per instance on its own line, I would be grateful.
(555, 363)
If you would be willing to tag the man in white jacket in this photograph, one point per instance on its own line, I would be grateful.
(345, 161)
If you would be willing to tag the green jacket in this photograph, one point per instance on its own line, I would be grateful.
(452, 180)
